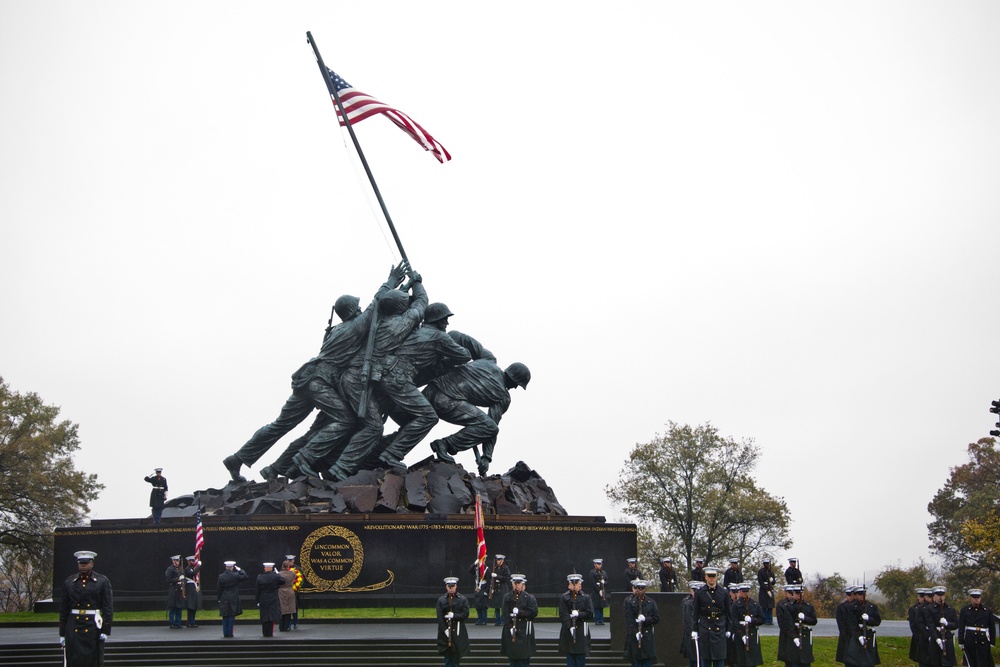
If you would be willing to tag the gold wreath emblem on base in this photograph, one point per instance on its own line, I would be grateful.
(342, 585)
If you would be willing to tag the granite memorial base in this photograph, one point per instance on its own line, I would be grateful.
(368, 560)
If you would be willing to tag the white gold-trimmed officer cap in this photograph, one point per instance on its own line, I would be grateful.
(229, 563)
(574, 577)
(793, 560)
(192, 558)
(84, 556)
(518, 578)
(734, 560)
(733, 587)
(271, 565)
(598, 560)
(711, 572)
(744, 586)
(451, 581)
(976, 592)
(639, 583)
(289, 556)
(939, 590)
(630, 560)
(699, 560)
(666, 559)
(157, 469)
(766, 560)
(500, 557)
(177, 557)
(694, 584)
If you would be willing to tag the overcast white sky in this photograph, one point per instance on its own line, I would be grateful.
(780, 217)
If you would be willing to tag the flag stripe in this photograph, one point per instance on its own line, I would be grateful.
(359, 106)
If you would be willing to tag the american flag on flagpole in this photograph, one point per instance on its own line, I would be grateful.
(199, 542)
(480, 538)
(359, 106)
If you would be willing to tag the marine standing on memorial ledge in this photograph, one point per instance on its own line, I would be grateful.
(158, 494)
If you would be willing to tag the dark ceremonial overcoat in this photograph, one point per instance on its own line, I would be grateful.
(747, 653)
(630, 575)
(688, 645)
(499, 586)
(918, 643)
(842, 614)
(158, 494)
(856, 652)
(82, 631)
(453, 636)
(266, 594)
(229, 592)
(175, 599)
(698, 574)
(574, 637)
(639, 640)
(193, 594)
(598, 587)
(517, 641)
(732, 576)
(780, 612)
(976, 634)
(793, 575)
(711, 613)
(801, 629)
(668, 579)
(765, 586)
(943, 654)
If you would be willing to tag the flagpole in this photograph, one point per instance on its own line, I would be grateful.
(343, 114)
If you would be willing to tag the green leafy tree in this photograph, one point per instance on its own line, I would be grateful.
(691, 491)
(825, 593)
(40, 487)
(965, 530)
(898, 586)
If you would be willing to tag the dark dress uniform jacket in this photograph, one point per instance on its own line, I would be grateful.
(855, 652)
(711, 613)
(266, 594)
(453, 636)
(732, 577)
(598, 587)
(698, 574)
(796, 628)
(193, 598)
(229, 592)
(642, 647)
(517, 641)
(793, 575)
(780, 612)
(574, 637)
(943, 654)
(842, 613)
(918, 644)
(82, 630)
(748, 653)
(765, 584)
(976, 634)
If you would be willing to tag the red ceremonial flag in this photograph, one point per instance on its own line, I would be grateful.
(480, 539)
(359, 106)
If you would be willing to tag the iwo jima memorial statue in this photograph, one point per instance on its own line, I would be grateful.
(365, 528)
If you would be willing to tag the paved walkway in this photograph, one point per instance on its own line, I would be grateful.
(212, 629)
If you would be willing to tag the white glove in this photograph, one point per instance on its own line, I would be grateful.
(802, 616)
(746, 639)
(638, 637)
(640, 618)
(574, 614)
(181, 579)
(862, 640)
(694, 635)
(450, 615)
(62, 641)
(940, 644)
(103, 637)
(864, 617)
(728, 634)
(798, 644)
(494, 575)
(943, 622)
(513, 612)
(747, 619)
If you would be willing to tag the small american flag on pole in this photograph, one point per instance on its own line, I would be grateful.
(199, 542)
(359, 106)
(480, 538)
